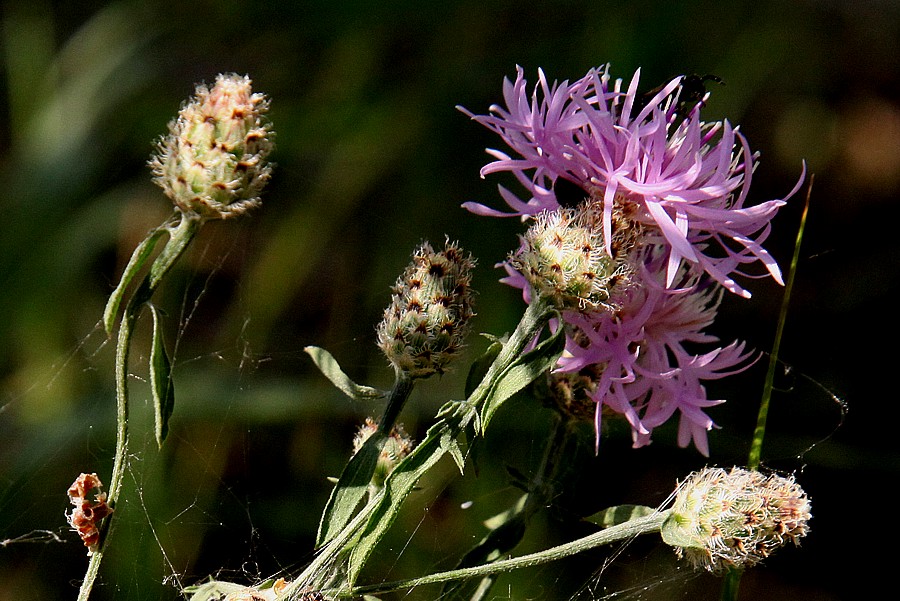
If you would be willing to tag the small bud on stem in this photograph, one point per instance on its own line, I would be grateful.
(734, 519)
(424, 327)
(214, 163)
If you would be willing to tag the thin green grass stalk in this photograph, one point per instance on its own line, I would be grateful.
(732, 579)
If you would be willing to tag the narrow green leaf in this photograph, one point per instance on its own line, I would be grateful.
(137, 261)
(451, 445)
(619, 514)
(160, 380)
(351, 489)
(480, 366)
(521, 373)
(329, 367)
(353, 485)
(397, 487)
(506, 532)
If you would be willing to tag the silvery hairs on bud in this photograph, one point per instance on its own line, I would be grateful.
(735, 519)
(213, 162)
(424, 327)
(565, 258)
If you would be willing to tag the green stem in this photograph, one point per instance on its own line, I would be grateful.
(643, 525)
(377, 515)
(760, 431)
(507, 534)
(399, 395)
(536, 316)
(179, 239)
(732, 579)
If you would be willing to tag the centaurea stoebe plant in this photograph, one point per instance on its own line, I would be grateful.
(621, 289)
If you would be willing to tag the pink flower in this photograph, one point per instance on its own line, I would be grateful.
(689, 179)
(649, 370)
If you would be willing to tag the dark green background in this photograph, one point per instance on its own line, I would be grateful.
(373, 158)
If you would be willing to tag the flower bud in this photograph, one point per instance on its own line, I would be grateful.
(397, 446)
(424, 327)
(565, 258)
(213, 163)
(735, 519)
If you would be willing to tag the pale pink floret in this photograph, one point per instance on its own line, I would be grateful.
(648, 373)
(690, 179)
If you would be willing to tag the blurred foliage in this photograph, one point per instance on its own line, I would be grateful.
(373, 157)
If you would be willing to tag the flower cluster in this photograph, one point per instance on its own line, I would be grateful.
(668, 192)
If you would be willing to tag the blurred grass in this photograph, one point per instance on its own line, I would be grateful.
(372, 158)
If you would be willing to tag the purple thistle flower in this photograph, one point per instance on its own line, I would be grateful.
(690, 179)
(648, 373)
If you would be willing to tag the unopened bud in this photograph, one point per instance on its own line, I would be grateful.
(213, 162)
(565, 258)
(397, 446)
(424, 327)
(734, 519)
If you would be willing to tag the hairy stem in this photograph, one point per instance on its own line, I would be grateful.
(643, 525)
(179, 239)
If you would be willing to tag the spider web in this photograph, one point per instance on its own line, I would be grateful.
(234, 496)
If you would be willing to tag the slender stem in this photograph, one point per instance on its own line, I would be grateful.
(536, 316)
(126, 329)
(179, 239)
(625, 530)
(506, 535)
(733, 577)
(399, 394)
(387, 501)
(759, 432)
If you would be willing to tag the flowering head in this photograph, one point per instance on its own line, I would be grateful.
(564, 257)
(688, 180)
(424, 327)
(214, 161)
(643, 359)
(735, 519)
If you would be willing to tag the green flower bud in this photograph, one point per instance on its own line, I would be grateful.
(734, 519)
(213, 163)
(565, 258)
(424, 327)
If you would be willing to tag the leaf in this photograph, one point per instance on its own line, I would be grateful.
(401, 481)
(619, 514)
(351, 489)
(329, 367)
(138, 258)
(521, 373)
(356, 479)
(506, 531)
(480, 366)
(160, 380)
(451, 445)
